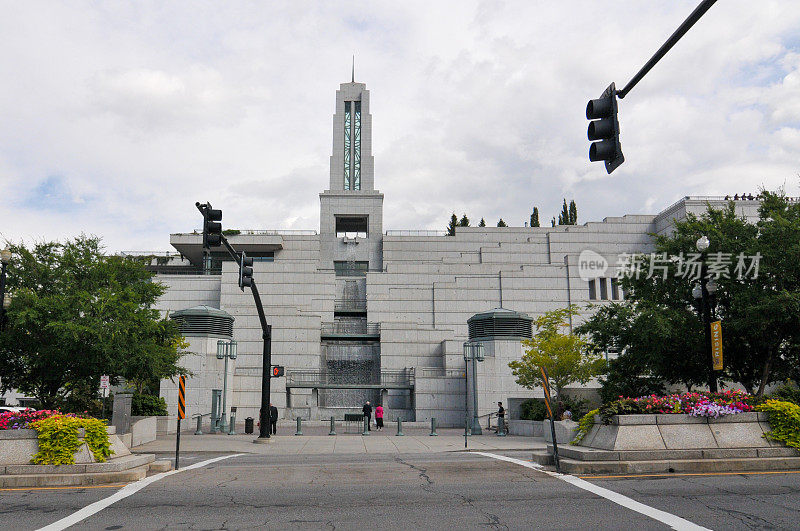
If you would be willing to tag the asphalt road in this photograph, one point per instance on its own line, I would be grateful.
(432, 491)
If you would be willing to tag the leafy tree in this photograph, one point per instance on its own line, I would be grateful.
(482, 223)
(501, 223)
(567, 357)
(658, 328)
(451, 228)
(535, 217)
(573, 213)
(464, 221)
(77, 314)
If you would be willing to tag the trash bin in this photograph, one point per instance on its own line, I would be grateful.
(248, 425)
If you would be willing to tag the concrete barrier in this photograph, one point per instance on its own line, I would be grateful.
(17, 447)
(525, 428)
(565, 431)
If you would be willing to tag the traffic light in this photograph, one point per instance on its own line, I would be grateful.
(604, 127)
(245, 271)
(277, 371)
(212, 227)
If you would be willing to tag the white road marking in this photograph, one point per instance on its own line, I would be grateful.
(123, 493)
(675, 522)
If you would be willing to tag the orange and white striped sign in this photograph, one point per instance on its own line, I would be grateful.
(182, 397)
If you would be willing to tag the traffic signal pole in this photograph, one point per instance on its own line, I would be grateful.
(698, 12)
(266, 334)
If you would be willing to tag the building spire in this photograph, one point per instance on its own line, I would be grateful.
(353, 73)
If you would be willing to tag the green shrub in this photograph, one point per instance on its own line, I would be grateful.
(584, 425)
(533, 409)
(58, 439)
(784, 422)
(787, 393)
(147, 405)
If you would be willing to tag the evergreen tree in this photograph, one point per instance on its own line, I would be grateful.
(553, 222)
(482, 223)
(464, 222)
(563, 217)
(451, 228)
(535, 217)
(573, 213)
(501, 223)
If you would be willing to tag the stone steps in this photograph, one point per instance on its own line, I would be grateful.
(119, 470)
(668, 466)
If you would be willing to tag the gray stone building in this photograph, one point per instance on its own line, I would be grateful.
(362, 313)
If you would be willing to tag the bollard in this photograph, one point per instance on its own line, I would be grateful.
(433, 427)
(199, 430)
(299, 428)
(501, 426)
(232, 431)
(366, 426)
(399, 427)
(333, 427)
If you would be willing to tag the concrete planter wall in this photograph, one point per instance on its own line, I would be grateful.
(17, 447)
(565, 430)
(679, 432)
(526, 428)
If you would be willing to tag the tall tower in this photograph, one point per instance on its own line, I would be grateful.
(351, 210)
(351, 243)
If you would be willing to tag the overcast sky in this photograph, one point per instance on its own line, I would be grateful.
(116, 117)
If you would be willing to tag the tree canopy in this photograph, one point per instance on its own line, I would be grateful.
(77, 314)
(657, 329)
(535, 217)
(567, 357)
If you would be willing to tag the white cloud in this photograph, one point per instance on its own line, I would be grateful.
(141, 109)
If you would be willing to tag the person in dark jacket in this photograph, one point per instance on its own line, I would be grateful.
(367, 409)
(273, 419)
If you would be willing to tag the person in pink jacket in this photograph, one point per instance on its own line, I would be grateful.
(379, 417)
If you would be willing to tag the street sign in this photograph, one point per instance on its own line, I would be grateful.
(716, 345)
(105, 381)
(182, 397)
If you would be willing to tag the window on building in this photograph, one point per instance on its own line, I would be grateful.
(603, 289)
(352, 145)
(350, 269)
(592, 290)
(615, 289)
(352, 226)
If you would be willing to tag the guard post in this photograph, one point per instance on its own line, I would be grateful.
(181, 415)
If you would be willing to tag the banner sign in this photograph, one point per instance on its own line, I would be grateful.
(716, 345)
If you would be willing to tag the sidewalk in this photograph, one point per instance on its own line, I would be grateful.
(415, 441)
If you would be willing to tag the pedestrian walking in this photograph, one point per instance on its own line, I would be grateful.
(273, 419)
(367, 409)
(501, 416)
(379, 417)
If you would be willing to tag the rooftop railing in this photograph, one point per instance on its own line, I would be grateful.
(416, 233)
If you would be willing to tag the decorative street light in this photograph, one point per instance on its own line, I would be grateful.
(225, 350)
(5, 258)
(473, 352)
(703, 292)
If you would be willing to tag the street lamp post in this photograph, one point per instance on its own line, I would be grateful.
(474, 352)
(703, 293)
(5, 258)
(225, 350)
